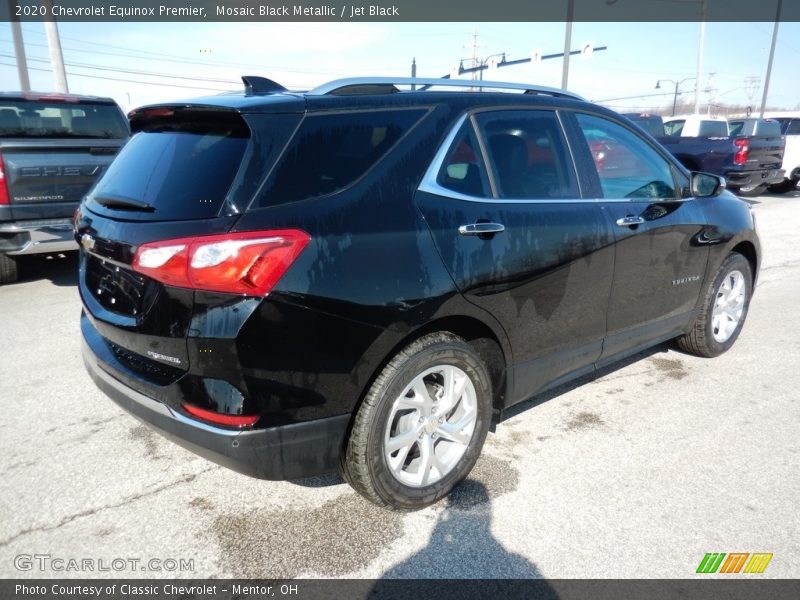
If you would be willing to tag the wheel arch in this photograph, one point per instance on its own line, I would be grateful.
(484, 340)
(748, 250)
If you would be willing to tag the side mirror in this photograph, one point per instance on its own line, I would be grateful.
(706, 185)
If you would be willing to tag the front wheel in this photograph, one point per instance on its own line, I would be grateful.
(422, 425)
(724, 310)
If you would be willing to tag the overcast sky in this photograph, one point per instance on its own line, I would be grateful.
(212, 56)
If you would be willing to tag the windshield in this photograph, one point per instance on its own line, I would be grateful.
(20, 118)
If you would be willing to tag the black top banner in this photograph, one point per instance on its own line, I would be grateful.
(401, 10)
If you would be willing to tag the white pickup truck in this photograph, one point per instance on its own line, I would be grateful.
(696, 126)
(790, 128)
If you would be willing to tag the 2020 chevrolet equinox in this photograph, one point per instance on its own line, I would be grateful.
(365, 275)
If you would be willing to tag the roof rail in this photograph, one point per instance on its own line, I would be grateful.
(260, 85)
(358, 83)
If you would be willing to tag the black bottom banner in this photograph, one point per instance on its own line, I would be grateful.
(346, 589)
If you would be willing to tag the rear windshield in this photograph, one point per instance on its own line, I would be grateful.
(713, 129)
(174, 170)
(19, 118)
(768, 127)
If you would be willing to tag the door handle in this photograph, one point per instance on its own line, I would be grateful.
(481, 229)
(629, 221)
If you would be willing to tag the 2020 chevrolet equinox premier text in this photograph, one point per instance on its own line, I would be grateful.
(364, 278)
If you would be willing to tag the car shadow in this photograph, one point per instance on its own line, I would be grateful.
(61, 268)
(319, 481)
(462, 546)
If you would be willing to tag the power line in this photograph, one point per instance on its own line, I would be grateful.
(159, 84)
(158, 56)
(130, 71)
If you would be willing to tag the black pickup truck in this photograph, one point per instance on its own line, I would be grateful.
(52, 149)
(749, 157)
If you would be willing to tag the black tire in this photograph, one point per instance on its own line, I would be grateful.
(784, 187)
(700, 339)
(8, 269)
(364, 464)
(749, 192)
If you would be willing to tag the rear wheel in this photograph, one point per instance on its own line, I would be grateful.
(724, 310)
(750, 191)
(8, 269)
(784, 187)
(422, 425)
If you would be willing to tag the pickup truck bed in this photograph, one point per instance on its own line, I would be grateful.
(52, 150)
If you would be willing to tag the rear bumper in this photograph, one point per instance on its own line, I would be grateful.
(285, 452)
(754, 178)
(37, 237)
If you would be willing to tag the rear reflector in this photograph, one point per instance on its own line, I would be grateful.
(219, 418)
(742, 151)
(3, 183)
(249, 263)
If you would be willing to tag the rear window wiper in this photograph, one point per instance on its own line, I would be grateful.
(110, 201)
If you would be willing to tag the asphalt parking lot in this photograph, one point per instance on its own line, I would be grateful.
(636, 473)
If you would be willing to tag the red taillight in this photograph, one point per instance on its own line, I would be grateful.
(3, 183)
(239, 263)
(742, 152)
(219, 418)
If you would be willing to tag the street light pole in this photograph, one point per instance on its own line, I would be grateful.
(567, 45)
(677, 87)
(675, 98)
(771, 56)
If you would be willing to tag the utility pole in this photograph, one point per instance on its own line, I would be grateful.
(54, 44)
(19, 51)
(474, 51)
(567, 45)
(771, 56)
(700, 46)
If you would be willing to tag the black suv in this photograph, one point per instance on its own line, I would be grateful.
(365, 275)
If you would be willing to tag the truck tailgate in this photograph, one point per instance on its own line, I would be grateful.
(58, 174)
(766, 152)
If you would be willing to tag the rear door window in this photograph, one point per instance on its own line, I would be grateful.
(331, 151)
(463, 170)
(790, 126)
(528, 154)
(60, 119)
